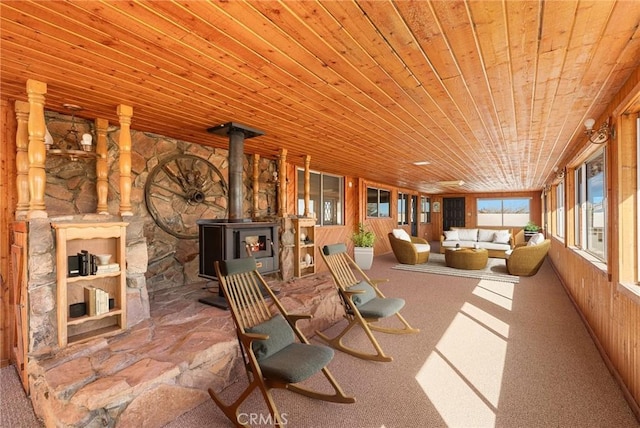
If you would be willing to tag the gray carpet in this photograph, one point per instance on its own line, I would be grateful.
(489, 354)
(15, 407)
(495, 270)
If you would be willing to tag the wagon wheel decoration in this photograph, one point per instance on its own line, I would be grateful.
(182, 189)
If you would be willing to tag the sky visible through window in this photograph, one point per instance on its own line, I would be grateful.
(503, 212)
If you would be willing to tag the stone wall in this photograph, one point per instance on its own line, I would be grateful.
(172, 262)
(42, 287)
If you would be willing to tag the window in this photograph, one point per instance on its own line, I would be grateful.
(504, 212)
(591, 214)
(579, 211)
(326, 196)
(402, 208)
(425, 209)
(560, 210)
(378, 202)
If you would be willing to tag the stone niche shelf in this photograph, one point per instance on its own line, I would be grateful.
(96, 238)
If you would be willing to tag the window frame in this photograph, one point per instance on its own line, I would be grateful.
(502, 211)
(583, 222)
(320, 218)
(378, 202)
(402, 209)
(425, 209)
(560, 211)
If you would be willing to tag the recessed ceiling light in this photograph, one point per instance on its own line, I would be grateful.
(420, 163)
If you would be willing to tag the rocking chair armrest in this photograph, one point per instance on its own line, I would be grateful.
(377, 281)
(247, 338)
(350, 293)
(294, 318)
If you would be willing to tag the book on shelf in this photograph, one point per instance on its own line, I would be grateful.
(97, 301)
(111, 267)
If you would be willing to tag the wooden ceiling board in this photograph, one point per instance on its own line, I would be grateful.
(492, 93)
(351, 112)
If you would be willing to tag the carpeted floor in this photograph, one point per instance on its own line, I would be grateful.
(495, 270)
(489, 354)
(15, 407)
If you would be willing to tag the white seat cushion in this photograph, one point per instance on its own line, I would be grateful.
(422, 248)
(493, 246)
(463, 244)
(401, 234)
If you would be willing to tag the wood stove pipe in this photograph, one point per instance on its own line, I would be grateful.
(237, 133)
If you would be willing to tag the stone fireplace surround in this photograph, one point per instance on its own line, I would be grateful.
(174, 347)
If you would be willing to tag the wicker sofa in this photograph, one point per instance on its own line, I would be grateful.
(409, 250)
(525, 259)
(496, 240)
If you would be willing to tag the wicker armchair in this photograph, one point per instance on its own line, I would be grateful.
(407, 253)
(526, 260)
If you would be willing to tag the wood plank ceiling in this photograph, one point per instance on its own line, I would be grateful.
(493, 93)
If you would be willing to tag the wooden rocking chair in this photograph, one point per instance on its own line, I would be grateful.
(272, 357)
(364, 303)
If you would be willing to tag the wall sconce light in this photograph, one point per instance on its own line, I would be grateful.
(600, 136)
(559, 173)
(72, 144)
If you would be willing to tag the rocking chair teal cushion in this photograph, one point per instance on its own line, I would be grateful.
(381, 308)
(362, 298)
(296, 362)
(280, 336)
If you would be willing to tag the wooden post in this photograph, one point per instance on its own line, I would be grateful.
(124, 114)
(22, 158)
(37, 153)
(307, 185)
(256, 184)
(102, 169)
(282, 176)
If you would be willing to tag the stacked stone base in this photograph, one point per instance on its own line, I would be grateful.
(162, 367)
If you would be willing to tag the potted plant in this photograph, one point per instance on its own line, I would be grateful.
(530, 229)
(363, 241)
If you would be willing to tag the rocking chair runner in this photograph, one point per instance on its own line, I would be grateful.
(271, 356)
(364, 303)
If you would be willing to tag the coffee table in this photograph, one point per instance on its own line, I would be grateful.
(466, 258)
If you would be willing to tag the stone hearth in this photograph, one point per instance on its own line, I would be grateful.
(161, 367)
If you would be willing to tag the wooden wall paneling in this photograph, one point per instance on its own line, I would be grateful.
(611, 316)
(626, 196)
(18, 302)
(8, 198)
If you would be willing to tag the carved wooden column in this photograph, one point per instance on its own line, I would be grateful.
(256, 184)
(37, 153)
(22, 158)
(282, 176)
(307, 184)
(124, 114)
(102, 169)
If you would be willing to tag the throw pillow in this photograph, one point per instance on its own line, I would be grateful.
(362, 298)
(502, 237)
(451, 235)
(485, 235)
(536, 239)
(468, 234)
(401, 234)
(280, 336)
